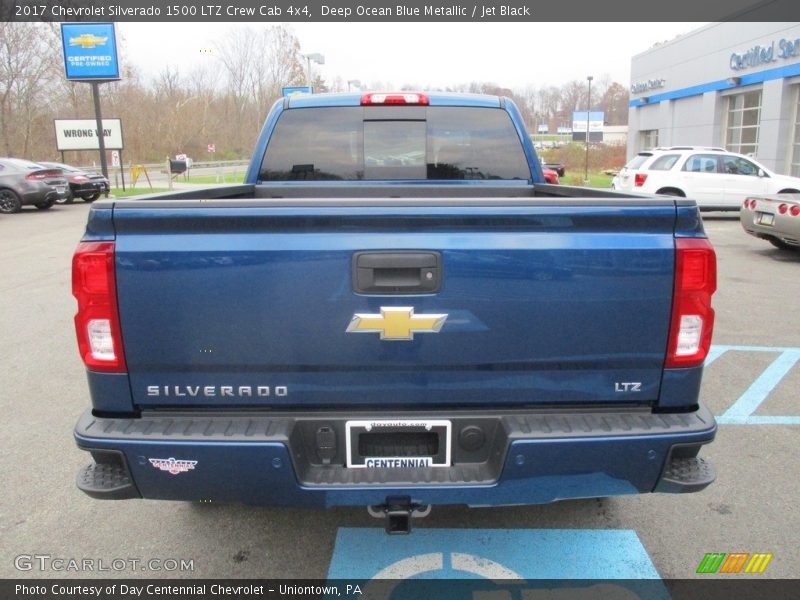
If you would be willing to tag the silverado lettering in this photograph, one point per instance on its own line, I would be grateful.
(213, 390)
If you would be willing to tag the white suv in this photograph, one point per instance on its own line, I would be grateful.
(715, 178)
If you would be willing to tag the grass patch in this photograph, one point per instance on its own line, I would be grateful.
(596, 179)
(236, 177)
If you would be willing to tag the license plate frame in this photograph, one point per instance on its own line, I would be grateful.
(354, 428)
(766, 219)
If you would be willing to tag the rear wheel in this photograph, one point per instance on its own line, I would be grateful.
(45, 205)
(90, 197)
(9, 202)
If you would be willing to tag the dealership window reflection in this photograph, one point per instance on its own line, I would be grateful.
(649, 139)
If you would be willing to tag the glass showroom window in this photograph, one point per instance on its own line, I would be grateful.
(744, 115)
(795, 167)
(649, 138)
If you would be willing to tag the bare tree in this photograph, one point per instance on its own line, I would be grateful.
(614, 103)
(257, 63)
(28, 70)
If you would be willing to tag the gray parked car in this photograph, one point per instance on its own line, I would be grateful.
(775, 218)
(23, 182)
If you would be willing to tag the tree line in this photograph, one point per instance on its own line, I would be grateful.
(224, 102)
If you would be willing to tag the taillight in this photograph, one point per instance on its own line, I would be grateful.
(692, 316)
(43, 174)
(97, 322)
(397, 98)
(639, 179)
(78, 179)
(783, 208)
(795, 210)
(750, 203)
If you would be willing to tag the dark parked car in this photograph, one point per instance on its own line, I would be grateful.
(557, 167)
(82, 184)
(23, 182)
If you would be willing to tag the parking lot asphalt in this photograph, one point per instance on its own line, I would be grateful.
(750, 508)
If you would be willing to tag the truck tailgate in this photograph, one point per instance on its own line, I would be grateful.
(546, 302)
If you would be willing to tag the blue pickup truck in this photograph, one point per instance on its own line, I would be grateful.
(394, 311)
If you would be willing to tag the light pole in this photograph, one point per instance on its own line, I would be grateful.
(317, 58)
(588, 109)
(354, 82)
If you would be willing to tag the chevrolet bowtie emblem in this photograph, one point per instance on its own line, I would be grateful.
(396, 323)
(88, 41)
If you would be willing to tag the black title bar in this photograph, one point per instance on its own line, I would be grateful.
(399, 10)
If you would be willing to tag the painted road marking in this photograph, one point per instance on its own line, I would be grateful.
(741, 412)
(506, 555)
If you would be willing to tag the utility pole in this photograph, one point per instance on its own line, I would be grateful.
(588, 110)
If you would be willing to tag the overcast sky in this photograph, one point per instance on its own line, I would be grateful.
(514, 55)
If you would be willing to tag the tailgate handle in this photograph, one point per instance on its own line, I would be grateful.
(397, 272)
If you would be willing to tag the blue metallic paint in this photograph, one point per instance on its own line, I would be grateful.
(553, 305)
(100, 227)
(110, 392)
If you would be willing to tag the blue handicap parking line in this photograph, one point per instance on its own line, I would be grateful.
(741, 412)
(506, 555)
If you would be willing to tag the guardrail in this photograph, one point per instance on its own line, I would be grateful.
(160, 166)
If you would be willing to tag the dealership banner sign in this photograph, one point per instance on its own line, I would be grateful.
(82, 134)
(594, 118)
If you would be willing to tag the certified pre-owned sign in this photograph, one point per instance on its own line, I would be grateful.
(90, 51)
(82, 134)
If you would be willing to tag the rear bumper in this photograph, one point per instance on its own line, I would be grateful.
(783, 229)
(88, 188)
(38, 195)
(528, 457)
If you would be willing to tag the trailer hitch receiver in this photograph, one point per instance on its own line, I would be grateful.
(397, 512)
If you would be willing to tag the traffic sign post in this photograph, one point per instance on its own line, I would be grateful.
(116, 161)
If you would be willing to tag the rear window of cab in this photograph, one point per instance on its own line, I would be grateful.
(364, 143)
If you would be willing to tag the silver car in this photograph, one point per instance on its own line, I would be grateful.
(775, 218)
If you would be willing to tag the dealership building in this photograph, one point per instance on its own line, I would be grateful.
(730, 85)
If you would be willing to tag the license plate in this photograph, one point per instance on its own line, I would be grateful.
(61, 189)
(765, 218)
(398, 443)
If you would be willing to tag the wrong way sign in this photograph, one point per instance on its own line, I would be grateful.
(82, 134)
